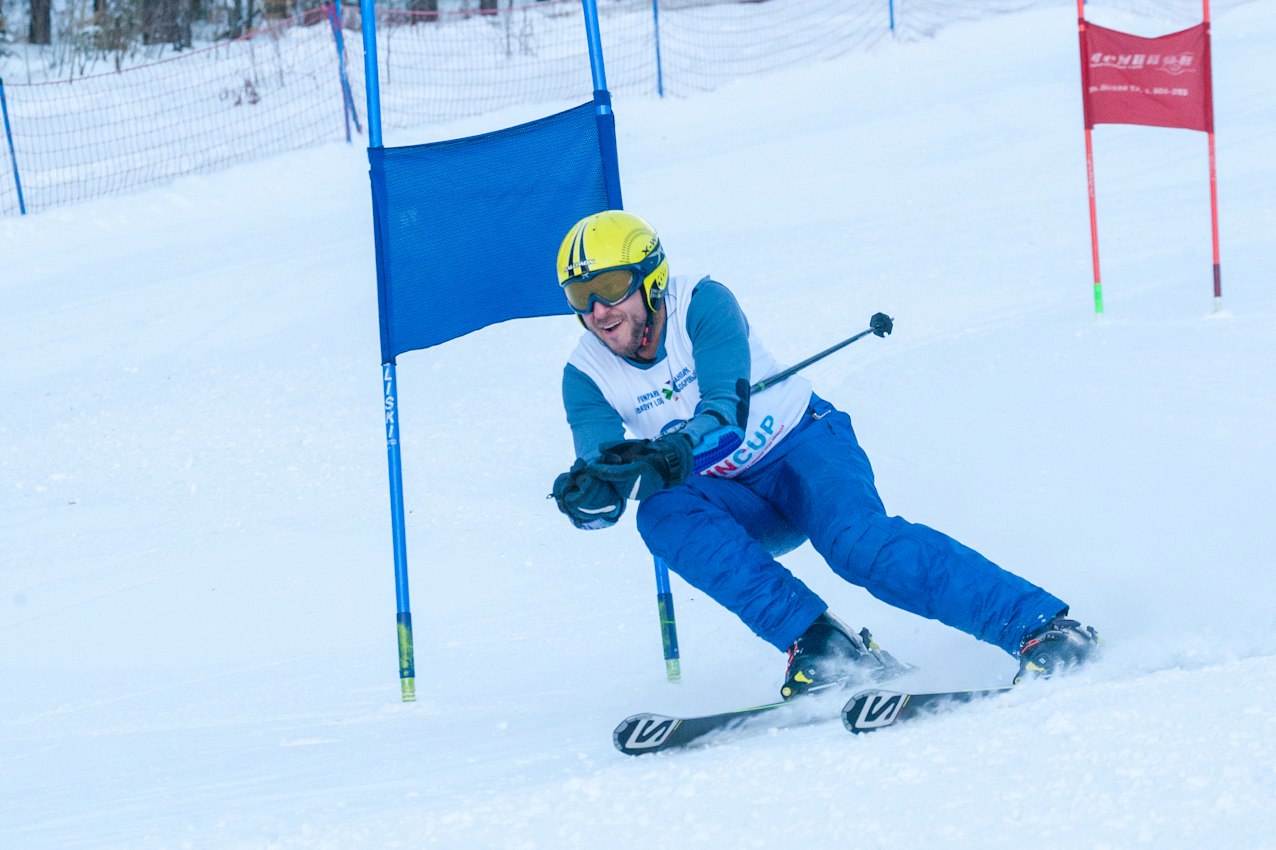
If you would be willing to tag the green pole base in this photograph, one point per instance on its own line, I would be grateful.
(407, 662)
(1098, 298)
(673, 670)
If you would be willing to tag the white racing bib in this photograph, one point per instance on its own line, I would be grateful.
(659, 399)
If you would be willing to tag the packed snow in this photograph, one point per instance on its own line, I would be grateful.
(197, 638)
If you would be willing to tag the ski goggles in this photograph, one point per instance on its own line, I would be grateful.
(610, 286)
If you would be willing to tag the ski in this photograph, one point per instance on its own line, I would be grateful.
(877, 708)
(653, 733)
(866, 711)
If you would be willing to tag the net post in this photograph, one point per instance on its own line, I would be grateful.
(655, 28)
(13, 156)
(347, 97)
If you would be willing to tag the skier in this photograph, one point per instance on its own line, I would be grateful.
(672, 361)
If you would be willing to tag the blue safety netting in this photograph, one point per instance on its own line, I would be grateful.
(468, 229)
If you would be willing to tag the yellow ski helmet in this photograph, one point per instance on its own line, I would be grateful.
(607, 256)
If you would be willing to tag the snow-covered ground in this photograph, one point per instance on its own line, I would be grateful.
(196, 596)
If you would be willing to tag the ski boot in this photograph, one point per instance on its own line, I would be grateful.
(830, 654)
(1059, 645)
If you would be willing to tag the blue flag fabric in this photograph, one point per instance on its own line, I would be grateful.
(467, 230)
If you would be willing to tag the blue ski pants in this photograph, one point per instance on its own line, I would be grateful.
(722, 536)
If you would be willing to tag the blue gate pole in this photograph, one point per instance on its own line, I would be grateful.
(595, 39)
(371, 74)
(668, 626)
(403, 603)
(655, 23)
(891, 3)
(602, 103)
(389, 379)
(13, 156)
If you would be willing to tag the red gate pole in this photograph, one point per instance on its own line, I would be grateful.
(1089, 158)
(1218, 275)
(1094, 222)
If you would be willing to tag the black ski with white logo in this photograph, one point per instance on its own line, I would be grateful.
(868, 711)
(653, 733)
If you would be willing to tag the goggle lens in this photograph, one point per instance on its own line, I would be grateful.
(610, 287)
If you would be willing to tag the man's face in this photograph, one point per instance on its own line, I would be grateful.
(620, 326)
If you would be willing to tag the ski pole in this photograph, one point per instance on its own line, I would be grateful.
(880, 324)
(668, 624)
(721, 442)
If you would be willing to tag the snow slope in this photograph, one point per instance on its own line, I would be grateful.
(196, 596)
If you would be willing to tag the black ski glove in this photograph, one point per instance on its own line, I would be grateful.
(639, 468)
(588, 500)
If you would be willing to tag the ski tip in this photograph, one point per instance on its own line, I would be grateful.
(872, 709)
(876, 708)
(644, 733)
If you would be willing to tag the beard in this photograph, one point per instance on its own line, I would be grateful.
(626, 339)
(622, 327)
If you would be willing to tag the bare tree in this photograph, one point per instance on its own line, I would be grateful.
(166, 22)
(41, 30)
(241, 18)
(429, 7)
